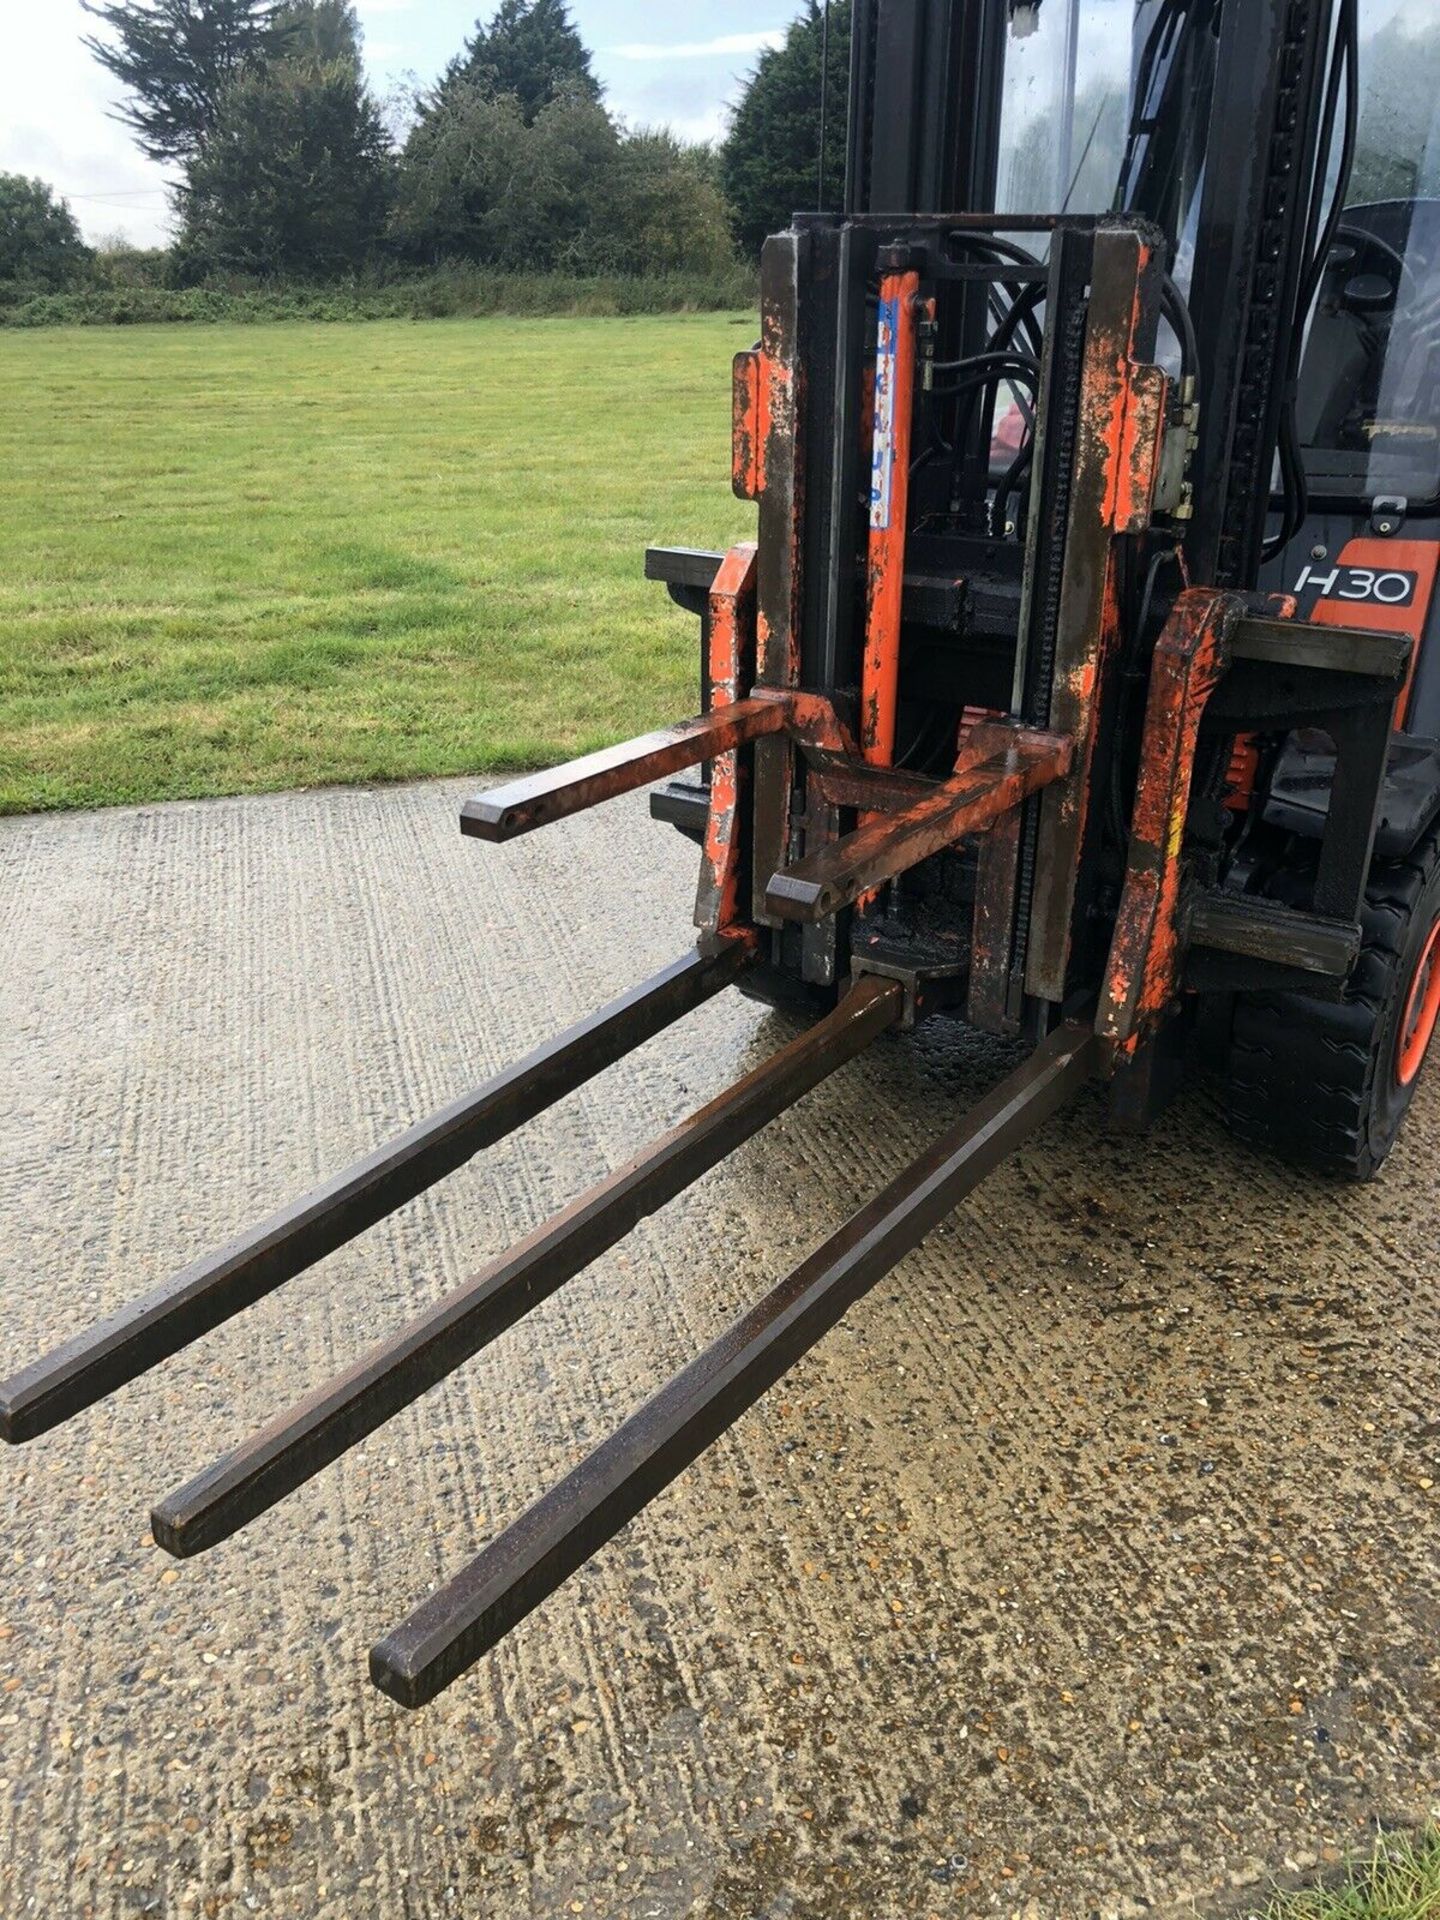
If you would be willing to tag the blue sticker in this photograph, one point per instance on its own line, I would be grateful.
(882, 468)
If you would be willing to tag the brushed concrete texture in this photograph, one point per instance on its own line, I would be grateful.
(1089, 1569)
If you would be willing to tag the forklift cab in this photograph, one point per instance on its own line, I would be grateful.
(1370, 391)
(1101, 111)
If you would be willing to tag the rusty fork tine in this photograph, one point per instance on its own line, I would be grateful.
(202, 1297)
(540, 1551)
(506, 812)
(295, 1447)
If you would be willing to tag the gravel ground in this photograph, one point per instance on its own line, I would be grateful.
(1087, 1570)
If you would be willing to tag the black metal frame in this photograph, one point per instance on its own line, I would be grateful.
(929, 72)
(1249, 262)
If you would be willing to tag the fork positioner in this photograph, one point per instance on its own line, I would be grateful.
(1012, 713)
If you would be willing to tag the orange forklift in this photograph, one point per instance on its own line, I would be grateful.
(1081, 684)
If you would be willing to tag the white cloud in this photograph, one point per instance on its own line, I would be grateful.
(725, 43)
(696, 129)
(55, 121)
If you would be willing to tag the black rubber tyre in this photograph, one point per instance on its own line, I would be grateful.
(1319, 1081)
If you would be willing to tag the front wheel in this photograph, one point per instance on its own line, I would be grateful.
(1329, 1082)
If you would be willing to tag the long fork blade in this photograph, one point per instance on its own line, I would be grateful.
(292, 1449)
(504, 813)
(215, 1289)
(462, 1622)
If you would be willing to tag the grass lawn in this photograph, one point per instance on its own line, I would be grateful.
(246, 558)
(1402, 1882)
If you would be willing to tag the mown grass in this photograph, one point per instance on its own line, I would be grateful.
(1402, 1882)
(234, 559)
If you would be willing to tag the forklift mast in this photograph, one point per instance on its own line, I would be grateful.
(1079, 685)
(1137, 361)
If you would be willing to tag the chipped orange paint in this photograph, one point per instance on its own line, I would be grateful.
(814, 721)
(781, 576)
(781, 400)
(1139, 450)
(1084, 689)
(751, 423)
(731, 669)
(1124, 405)
(1143, 974)
(1121, 439)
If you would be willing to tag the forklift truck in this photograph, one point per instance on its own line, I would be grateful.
(1080, 684)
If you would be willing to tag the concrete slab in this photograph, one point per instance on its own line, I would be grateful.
(1088, 1570)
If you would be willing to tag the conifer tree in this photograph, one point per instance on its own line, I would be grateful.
(770, 163)
(177, 57)
(531, 50)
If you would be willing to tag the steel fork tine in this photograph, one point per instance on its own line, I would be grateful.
(213, 1290)
(295, 1447)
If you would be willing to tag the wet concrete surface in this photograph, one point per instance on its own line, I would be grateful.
(1088, 1569)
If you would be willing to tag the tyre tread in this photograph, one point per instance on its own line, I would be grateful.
(1301, 1072)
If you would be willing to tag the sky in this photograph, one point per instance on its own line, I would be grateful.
(679, 66)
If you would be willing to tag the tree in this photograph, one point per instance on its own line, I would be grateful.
(320, 31)
(478, 184)
(568, 193)
(40, 243)
(456, 177)
(473, 183)
(771, 160)
(178, 57)
(666, 212)
(294, 179)
(530, 49)
(560, 190)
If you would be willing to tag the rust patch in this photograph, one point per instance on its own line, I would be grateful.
(1139, 449)
(1117, 458)
(815, 722)
(782, 509)
(1000, 773)
(1142, 976)
(845, 782)
(731, 671)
